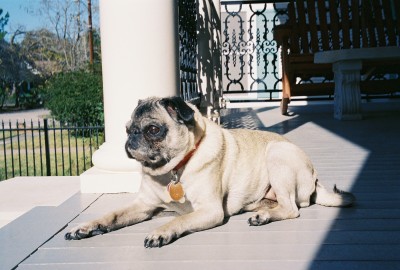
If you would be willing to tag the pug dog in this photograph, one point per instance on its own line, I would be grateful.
(206, 173)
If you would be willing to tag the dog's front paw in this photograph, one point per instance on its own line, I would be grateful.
(258, 220)
(84, 231)
(158, 239)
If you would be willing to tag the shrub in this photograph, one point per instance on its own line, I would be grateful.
(75, 97)
(31, 99)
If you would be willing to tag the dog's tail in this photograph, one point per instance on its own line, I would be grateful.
(336, 198)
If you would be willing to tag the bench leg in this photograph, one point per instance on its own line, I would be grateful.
(284, 105)
(347, 100)
(285, 83)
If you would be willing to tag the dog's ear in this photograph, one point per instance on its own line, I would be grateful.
(178, 110)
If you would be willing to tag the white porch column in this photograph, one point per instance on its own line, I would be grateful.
(140, 59)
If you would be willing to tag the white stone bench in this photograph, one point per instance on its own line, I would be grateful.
(347, 64)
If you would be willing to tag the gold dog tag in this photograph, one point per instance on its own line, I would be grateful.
(176, 192)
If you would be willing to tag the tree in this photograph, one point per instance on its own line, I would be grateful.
(67, 20)
(15, 68)
(3, 23)
(43, 48)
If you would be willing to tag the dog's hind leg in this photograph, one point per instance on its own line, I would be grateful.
(264, 203)
(286, 208)
(285, 163)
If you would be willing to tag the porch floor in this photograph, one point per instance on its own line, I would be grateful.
(359, 156)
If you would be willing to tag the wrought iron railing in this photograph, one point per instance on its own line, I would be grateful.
(47, 148)
(188, 50)
(250, 58)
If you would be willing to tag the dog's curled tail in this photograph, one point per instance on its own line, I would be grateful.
(335, 198)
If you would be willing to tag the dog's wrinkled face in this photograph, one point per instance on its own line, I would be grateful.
(159, 131)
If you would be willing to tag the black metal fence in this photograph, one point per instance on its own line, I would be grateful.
(47, 148)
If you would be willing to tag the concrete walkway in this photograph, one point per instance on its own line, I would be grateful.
(26, 115)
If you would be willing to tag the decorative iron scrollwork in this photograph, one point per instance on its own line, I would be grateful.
(250, 57)
(188, 50)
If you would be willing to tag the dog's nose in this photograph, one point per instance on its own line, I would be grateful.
(128, 149)
(132, 143)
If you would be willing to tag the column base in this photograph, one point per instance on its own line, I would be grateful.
(95, 180)
(347, 98)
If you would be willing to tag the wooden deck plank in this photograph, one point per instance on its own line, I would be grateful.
(376, 211)
(24, 235)
(224, 252)
(259, 238)
(381, 199)
(359, 156)
(290, 225)
(221, 265)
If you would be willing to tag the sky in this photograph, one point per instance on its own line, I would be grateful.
(21, 13)
(25, 12)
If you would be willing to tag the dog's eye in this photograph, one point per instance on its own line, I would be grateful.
(153, 130)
